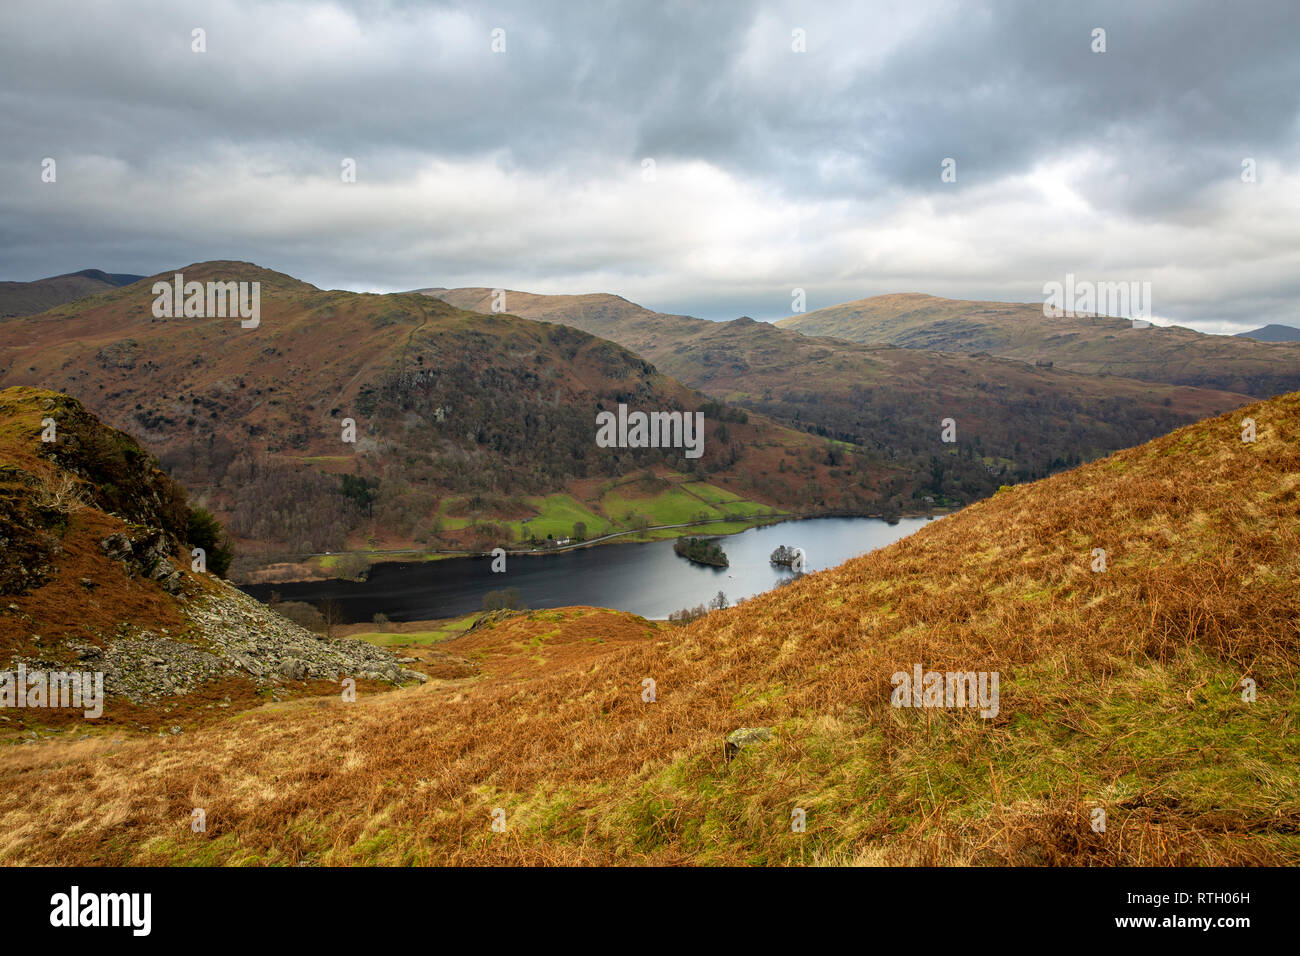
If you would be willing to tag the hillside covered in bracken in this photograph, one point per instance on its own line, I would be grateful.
(1160, 689)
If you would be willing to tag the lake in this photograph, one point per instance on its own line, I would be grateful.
(646, 579)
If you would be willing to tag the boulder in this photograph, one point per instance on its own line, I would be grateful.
(737, 740)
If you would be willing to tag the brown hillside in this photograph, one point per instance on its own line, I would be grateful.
(1015, 420)
(1090, 344)
(1120, 691)
(96, 577)
(446, 402)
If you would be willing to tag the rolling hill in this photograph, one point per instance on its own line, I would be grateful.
(1273, 333)
(1094, 345)
(1014, 421)
(1145, 714)
(28, 298)
(463, 423)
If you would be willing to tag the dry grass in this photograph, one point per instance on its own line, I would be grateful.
(62, 492)
(1119, 691)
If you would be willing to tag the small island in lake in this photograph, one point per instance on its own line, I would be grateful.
(785, 557)
(701, 551)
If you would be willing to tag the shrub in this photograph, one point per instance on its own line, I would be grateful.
(202, 530)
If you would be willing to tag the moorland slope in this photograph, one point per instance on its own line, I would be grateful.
(1161, 691)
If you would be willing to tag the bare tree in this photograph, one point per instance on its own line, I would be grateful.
(331, 613)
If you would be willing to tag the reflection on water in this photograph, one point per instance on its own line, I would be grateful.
(646, 579)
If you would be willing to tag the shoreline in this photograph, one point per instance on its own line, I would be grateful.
(413, 555)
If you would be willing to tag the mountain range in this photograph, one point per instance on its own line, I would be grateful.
(1014, 420)
(1096, 345)
(1273, 333)
(462, 425)
(473, 426)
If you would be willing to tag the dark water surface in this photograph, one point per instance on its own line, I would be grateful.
(646, 579)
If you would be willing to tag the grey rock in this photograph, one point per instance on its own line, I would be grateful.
(227, 633)
(737, 740)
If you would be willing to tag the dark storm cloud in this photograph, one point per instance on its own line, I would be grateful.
(774, 169)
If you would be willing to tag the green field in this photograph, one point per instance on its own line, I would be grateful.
(720, 527)
(747, 508)
(448, 522)
(329, 562)
(681, 504)
(710, 493)
(452, 627)
(557, 514)
(672, 506)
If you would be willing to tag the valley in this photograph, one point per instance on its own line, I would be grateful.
(443, 442)
(464, 429)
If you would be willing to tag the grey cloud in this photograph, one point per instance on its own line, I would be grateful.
(152, 140)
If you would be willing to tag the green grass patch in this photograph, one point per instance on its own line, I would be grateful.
(443, 631)
(556, 516)
(672, 506)
(710, 493)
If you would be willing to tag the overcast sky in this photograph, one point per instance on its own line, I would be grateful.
(773, 169)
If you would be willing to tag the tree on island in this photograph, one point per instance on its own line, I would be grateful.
(508, 600)
(701, 551)
(784, 556)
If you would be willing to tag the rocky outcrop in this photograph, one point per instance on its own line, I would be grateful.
(27, 544)
(230, 635)
(493, 618)
(738, 740)
(76, 494)
(247, 633)
(146, 553)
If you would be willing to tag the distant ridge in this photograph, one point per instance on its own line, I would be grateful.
(883, 400)
(29, 298)
(1092, 344)
(1272, 333)
(112, 278)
